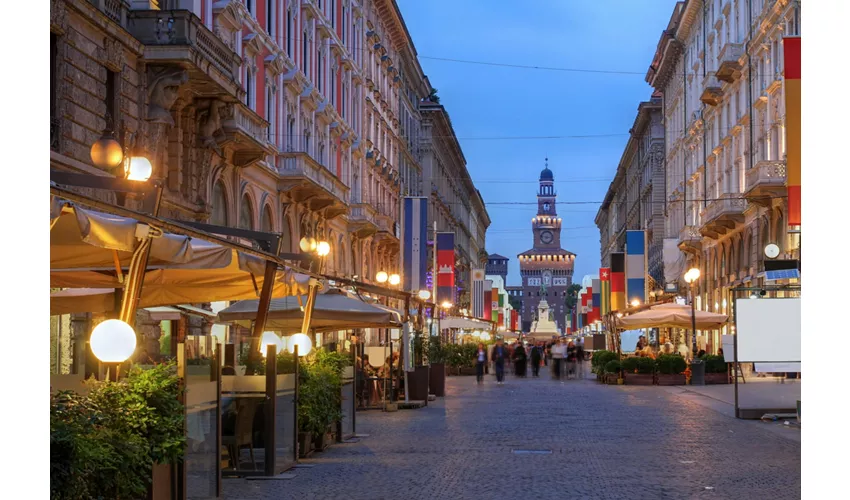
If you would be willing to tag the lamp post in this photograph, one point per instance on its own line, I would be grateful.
(690, 278)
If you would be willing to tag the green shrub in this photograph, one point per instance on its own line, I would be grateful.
(334, 360)
(714, 364)
(600, 359)
(670, 364)
(318, 397)
(104, 444)
(612, 366)
(640, 365)
(436, 350)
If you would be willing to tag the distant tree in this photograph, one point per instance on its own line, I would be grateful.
(572, 296)
(433, 97)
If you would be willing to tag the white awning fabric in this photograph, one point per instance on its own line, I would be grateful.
(466, 323)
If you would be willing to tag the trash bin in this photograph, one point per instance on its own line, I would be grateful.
(697, 372)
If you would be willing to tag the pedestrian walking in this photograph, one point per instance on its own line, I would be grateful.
(536, 359)
(499, 356)
(580, 364)
(520, 359)
(571, 359)
(559, 352)
(480, 360)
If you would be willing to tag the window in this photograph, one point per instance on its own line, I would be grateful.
(344, 25)
(304, 53)
(249, 88)
(249, 4)
(246, 215)
(54, 119)
(219, 206)
(111, 121)
(266, 223)
(319, 64)
(270, 27)
(270, 114)
(333, 13)
(289, 34)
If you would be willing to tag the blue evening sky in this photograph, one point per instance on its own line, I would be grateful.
(491, 101)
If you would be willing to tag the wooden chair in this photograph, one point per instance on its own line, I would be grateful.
(243, 434)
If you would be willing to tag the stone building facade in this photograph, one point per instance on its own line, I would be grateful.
(300, 117)
(497, 265)
(546, 269)
(719, 69)
(635, 198)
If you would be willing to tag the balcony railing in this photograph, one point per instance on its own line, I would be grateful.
(729, 68)
(247, 132)
(765, 180)
(712, 89)
(362, 219)
(301, 165)
(180, 36)
(114, 9)
(722, 214)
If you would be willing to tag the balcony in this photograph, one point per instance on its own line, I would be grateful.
(179, 38)
(722, 215)
(730, 69)
(307, 181)
(766, 180)
(712, 89)
(114, 9)
(246, 133)
(362, 220)
(690, 240)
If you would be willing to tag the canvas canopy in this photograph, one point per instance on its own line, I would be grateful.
(672, 316)
(466, 323)
(331, 311)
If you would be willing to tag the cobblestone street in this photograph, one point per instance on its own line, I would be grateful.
(605, 441)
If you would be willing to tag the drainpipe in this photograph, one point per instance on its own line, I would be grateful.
(684, 132)
(750, 80)
(702, 111)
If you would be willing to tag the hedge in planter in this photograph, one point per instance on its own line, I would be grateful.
(611, 371)
(638, 371)
(715, 370)
(105, 444)
(319, 393)
(600, 359)
(671, 368)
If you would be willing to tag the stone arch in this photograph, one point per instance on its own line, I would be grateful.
(267, 222)
(247, 211)
(286, 234)
(220, 211)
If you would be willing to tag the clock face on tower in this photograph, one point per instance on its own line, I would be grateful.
(546, 207)
(546, 237)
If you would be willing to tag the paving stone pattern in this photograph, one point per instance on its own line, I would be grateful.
(607, 442)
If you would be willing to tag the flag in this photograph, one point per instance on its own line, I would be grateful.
(488, 300)
(596, 300)
(792, 63)
(618, 281)
(514, 319)
(604, 291)
(502, 319)
(478, 293)
(446, 267)
(415, 243)
(636, 266)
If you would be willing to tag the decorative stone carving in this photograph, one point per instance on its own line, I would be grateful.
(58, 17)
(210, 122)
(163, 87)
(113, 55)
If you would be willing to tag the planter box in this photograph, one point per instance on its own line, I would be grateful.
(417, 381)
(671, 379)
(639, 379)
(321, 441)
(161, 486)
(437, 379)
(610, 378)
(305, 444)
(716, 378)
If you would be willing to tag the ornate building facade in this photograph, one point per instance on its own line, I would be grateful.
(546, 269)
(719, 69)
(635, 198)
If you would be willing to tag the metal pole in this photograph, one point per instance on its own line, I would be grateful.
(404, 321)
(270, 409)
(263, 307)
(297, 392)
(693, 319)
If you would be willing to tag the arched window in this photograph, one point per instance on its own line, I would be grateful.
(286, 235)
(246, 214)
(266, 222)
(741, 262)
(219, 205)
(723, 263)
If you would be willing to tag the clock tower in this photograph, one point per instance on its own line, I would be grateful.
(546, 269)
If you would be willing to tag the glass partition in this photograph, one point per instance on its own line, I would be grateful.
(201, 461)
(284, 422)
(243, 422)
(347, 402)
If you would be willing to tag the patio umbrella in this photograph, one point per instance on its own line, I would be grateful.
(332, 311)
(672, 316)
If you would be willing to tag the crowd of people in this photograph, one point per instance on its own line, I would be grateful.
(565, 359)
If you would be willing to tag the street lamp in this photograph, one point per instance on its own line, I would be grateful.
(382, 277)
(113, 342)
(635, 303)
(323, 248)
(424, 294)
(691, 278)
(395, 279)
(446, 304)
(271, 338)
(139, 168)
(106, 152)
(302, 342)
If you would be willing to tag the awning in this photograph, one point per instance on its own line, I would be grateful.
(672, 316)
(164, 313)
(332, 311)
(466, 323)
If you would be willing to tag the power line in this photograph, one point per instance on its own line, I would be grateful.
(523, 66)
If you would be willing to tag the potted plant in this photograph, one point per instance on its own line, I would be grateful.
(610, 372)
(671, 369)
(638, 371)
(319, 402)
(417, 380)
(437, 359)
(598, 362)
(716, 370)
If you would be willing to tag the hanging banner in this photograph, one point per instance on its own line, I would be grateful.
(636, 266)
(514, 320)
(596, 300)
(792, 63)
(488, 300)
(618, 281)
(415, 243)
(478, 293)
(604, 291)
(446, 267)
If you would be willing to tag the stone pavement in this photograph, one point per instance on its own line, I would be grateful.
(606, 442)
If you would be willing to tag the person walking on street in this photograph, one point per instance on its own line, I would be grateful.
(500, 355)
(571, 360)
(480, 360)
(559, 352)
(520, 360)
(580, 359)
(536, 358)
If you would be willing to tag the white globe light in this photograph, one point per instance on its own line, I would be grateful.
(424, 294)
(140, 169)
(476, 334)
(381, 277)
(485, 336)
(323, 248)
(395, 279)
(113, 341)
(307, 244)
(271, 338)
(305, 345)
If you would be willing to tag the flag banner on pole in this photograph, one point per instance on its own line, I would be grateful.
(415, 243)
(488, 300)
(446, 267)
(514, 319)
(604, 290)
(597, 299)
(478, 293)
(501, 300)
(636, 266)
(792, 64)
(618, 281)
